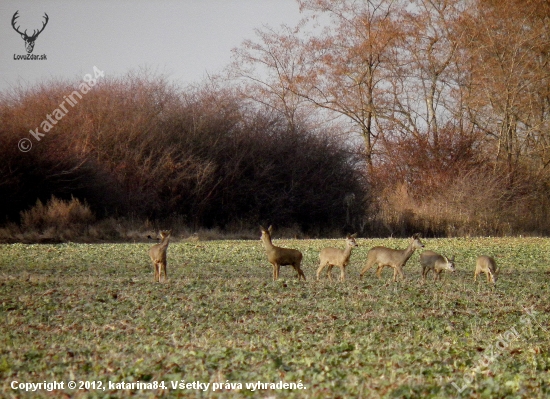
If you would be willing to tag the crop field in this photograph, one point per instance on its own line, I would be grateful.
(220, 327)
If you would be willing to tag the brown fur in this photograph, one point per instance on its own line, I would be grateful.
(486, 264)
(394, 258)
(278, 256)
(336, 257)
(431, 260)
(158, 256)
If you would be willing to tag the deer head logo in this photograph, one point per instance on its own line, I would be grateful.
(29, 40)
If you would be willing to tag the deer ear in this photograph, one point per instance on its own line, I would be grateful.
(354, 235)
(270, 229)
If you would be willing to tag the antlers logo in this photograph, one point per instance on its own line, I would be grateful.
(29, 40)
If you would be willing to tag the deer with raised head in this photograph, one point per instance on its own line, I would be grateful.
(394, 258)
(486, 264)
(29, 40)
(158, 255)
(431, 260)
(278, 256)
(330, 257)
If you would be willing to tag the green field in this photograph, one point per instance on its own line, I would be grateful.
(90, 312)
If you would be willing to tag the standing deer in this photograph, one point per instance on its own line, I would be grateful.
(336, 257)
(278, 256)
(391, 258)
(486, 264)
(431, 260)
(158, 255)
(29, 40)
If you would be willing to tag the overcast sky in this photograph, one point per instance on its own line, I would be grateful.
(183, 39)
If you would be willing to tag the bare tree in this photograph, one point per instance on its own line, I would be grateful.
(268, 67)
(339, 68)
(508, 45)
(348, 63)
(424, 76)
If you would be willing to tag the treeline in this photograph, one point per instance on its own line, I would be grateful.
(450, 98)
(384, 117)
(138, 147)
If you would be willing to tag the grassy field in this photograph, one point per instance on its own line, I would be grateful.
(90, 312)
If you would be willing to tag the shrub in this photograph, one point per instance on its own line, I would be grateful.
(138, 147)
(57, 214)
(452, 190)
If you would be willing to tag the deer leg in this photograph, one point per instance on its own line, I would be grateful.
(379, 271)
(300, 273)
(274, 272)
(342, 274)
(320, 269)
(398, 270)
(367, 267)
(164, 271)
(329, 272)
(156, 271)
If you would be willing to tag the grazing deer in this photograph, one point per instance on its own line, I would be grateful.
(336, 257)
(431, 260)
(486, 264)
(158, 255)
(278, 256)
(391, 258)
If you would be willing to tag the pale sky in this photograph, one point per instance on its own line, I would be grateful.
(184, 40)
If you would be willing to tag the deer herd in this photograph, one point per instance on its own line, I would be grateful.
(331, 257)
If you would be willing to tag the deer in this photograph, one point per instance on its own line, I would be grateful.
(431, 260)
(29, 40)
(278, 256)
(486, 264)
(330, 257)
(158, 255)
(388, 257)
